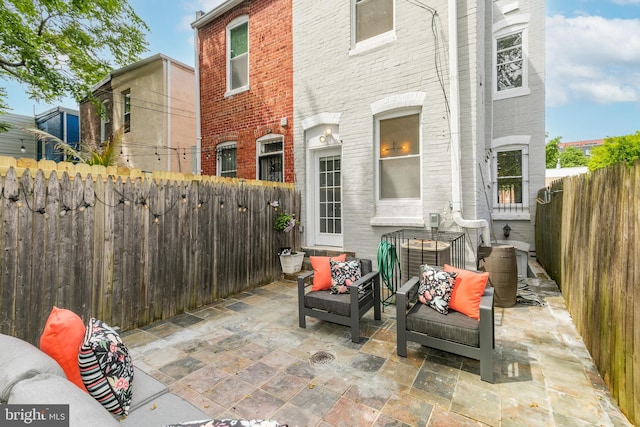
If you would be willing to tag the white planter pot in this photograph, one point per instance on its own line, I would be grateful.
(291, 263)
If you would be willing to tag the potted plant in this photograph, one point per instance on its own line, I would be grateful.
(290, 260)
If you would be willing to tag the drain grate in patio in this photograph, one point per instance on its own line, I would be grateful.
(322, 358)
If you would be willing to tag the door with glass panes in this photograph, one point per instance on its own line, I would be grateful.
(328, 198)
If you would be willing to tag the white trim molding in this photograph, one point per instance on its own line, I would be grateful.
(403, 100)
(321, 119)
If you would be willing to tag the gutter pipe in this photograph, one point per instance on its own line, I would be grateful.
(456, 167)
(197, 95)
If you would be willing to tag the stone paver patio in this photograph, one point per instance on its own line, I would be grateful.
(245, 357)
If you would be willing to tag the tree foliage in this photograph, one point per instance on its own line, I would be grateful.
(573, 157)
(615, 150)
(58, 48)
(552, 152)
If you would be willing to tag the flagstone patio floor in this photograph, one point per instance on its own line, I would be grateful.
(245, 357)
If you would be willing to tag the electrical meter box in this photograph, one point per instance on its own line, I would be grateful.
(434, 220)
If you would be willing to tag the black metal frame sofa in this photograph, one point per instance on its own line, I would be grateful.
(344, 309)
(454, 332)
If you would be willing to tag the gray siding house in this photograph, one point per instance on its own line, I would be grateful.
(404, 109)
(17, 142)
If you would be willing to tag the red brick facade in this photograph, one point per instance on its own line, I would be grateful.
(249, 115)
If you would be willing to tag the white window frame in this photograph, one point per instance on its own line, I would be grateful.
(104, 120)
(398, 211)
(219, 149)
(512, 25)
(405, 212)
(240, 20)
(359, 46)
(126, 112)
(512, 211)
(263, 141)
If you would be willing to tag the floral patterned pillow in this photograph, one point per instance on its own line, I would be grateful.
(106, 368)
(343, 274)
(435, 288)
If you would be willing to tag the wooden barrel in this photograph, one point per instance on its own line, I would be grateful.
(500, 262)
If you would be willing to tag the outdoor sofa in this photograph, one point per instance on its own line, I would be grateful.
(30, 377)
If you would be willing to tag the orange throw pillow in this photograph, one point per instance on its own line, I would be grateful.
(63, 333)
(322, 271)
(467, 291)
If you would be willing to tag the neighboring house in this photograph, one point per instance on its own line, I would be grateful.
(17, 142)
(64, 124)
(403, 109)
(153, 102)
(584, 146)
(244, 70)
(559, 173)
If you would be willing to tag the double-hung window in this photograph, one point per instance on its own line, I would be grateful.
(104, 121)
(509, 62)
(226, 160)
(373, 23)
(399, 157)
(510, 56)
(238, 55)
(398, 171)
(510, 177)
(126, 110)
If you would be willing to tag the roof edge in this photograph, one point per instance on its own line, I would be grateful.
(222, 7)
(142, 62)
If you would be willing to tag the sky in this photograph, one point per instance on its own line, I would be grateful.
(592, 62)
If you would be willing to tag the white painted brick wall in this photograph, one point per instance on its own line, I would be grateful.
(327, 79)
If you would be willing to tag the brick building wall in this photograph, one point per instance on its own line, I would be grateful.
(244, 117)
(90, 121)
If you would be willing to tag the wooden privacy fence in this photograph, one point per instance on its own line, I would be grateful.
(587, 238)
(131, 251)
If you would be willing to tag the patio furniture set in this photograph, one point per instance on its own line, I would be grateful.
(448, 309)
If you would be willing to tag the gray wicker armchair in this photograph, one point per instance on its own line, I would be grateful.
(454, 333)
(344, 309)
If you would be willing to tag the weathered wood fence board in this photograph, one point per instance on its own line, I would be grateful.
(130, 251)
(587, 238)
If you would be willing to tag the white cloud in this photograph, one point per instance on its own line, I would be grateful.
(624, 2)
(592, 59)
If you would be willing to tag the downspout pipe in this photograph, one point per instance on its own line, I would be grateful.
(167, 87)
(196, 39)
(456, 166)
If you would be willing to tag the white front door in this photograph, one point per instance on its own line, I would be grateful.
(327, 204)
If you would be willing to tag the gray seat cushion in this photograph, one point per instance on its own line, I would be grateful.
(167, 409)
(454, 326)
(20, 360)
(44, 389)
(333, 303)
(145, 389)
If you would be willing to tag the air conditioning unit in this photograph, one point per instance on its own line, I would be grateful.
(415, 252)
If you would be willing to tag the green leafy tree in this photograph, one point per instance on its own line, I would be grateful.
(58, 48)
(572, 157)
(552, 152)
(615, 150)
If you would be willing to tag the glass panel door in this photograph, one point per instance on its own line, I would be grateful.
(329, 199)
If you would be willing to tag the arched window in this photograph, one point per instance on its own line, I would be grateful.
(226, 164)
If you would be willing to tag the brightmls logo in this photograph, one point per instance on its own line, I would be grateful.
(34, 415)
